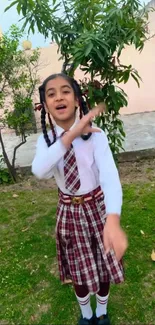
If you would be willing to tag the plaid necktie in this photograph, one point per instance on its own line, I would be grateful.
(71, 174)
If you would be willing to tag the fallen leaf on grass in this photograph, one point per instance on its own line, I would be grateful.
(25, 229)
(67, 281)
(33, 318)
(15, 195)
(153, 255)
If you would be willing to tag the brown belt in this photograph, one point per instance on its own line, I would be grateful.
(80, 199)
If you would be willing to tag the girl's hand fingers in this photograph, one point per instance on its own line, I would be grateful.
(115, 238)
(119, 254)
(91, 130)
(120, 247)
(106, 242)
(100, 108)
(83, 126)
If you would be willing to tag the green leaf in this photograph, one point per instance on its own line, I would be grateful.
(5, 177)
(103, 45)
(11, 5)
(122, 132)
(137, 74)
(19, 8)
(88, 49)
(121, 47)
(99, 54)
(136, 79)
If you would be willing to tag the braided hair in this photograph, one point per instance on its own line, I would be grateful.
(78, 93)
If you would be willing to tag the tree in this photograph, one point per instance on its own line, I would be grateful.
(18, 79)
(91, 34)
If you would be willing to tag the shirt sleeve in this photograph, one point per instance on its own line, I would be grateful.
(46, 158)
(108, 174)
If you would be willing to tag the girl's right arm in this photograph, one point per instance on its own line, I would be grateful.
(46, 158)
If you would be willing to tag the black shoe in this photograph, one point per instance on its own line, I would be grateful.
(103, 320)
(85, 321)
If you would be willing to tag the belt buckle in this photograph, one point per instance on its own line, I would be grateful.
(77, 200)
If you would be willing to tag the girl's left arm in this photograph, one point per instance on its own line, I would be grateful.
(108, 174)
(113, 235)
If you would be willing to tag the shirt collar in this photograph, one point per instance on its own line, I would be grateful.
(60, 130)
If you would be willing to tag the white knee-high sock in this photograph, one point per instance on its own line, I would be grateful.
(85, 306)
(101, 308)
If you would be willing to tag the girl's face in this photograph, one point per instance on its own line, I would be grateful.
(60, 101)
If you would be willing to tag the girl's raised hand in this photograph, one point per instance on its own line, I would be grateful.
(84, 127)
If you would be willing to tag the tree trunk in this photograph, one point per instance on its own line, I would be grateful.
(15, 150)
(34, 124)
(11, 170)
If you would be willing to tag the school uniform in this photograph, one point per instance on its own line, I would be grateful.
(81, 216)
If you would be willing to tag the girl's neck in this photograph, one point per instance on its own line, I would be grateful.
(66, 125)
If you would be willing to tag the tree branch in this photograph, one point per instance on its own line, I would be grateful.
(6, 159)
(150, 37)
(4, 85)
(15, 150)
(66, 12)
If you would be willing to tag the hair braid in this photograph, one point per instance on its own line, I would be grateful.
(43, 124)
(43, 119)
(81, 113)
(52, 128)
(83, 106)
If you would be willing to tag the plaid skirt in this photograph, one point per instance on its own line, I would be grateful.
(80, 249)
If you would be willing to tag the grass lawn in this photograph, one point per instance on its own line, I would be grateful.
(31, 292)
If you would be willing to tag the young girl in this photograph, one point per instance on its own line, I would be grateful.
(90, 241)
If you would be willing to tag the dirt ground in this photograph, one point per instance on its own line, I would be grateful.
(134, 172)
(130, 172)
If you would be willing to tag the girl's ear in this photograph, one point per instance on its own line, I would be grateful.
(76, 102)
(46, 109)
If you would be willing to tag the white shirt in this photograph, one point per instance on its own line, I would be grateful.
(95, 162)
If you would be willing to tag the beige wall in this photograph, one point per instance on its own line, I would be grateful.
(141, 99)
